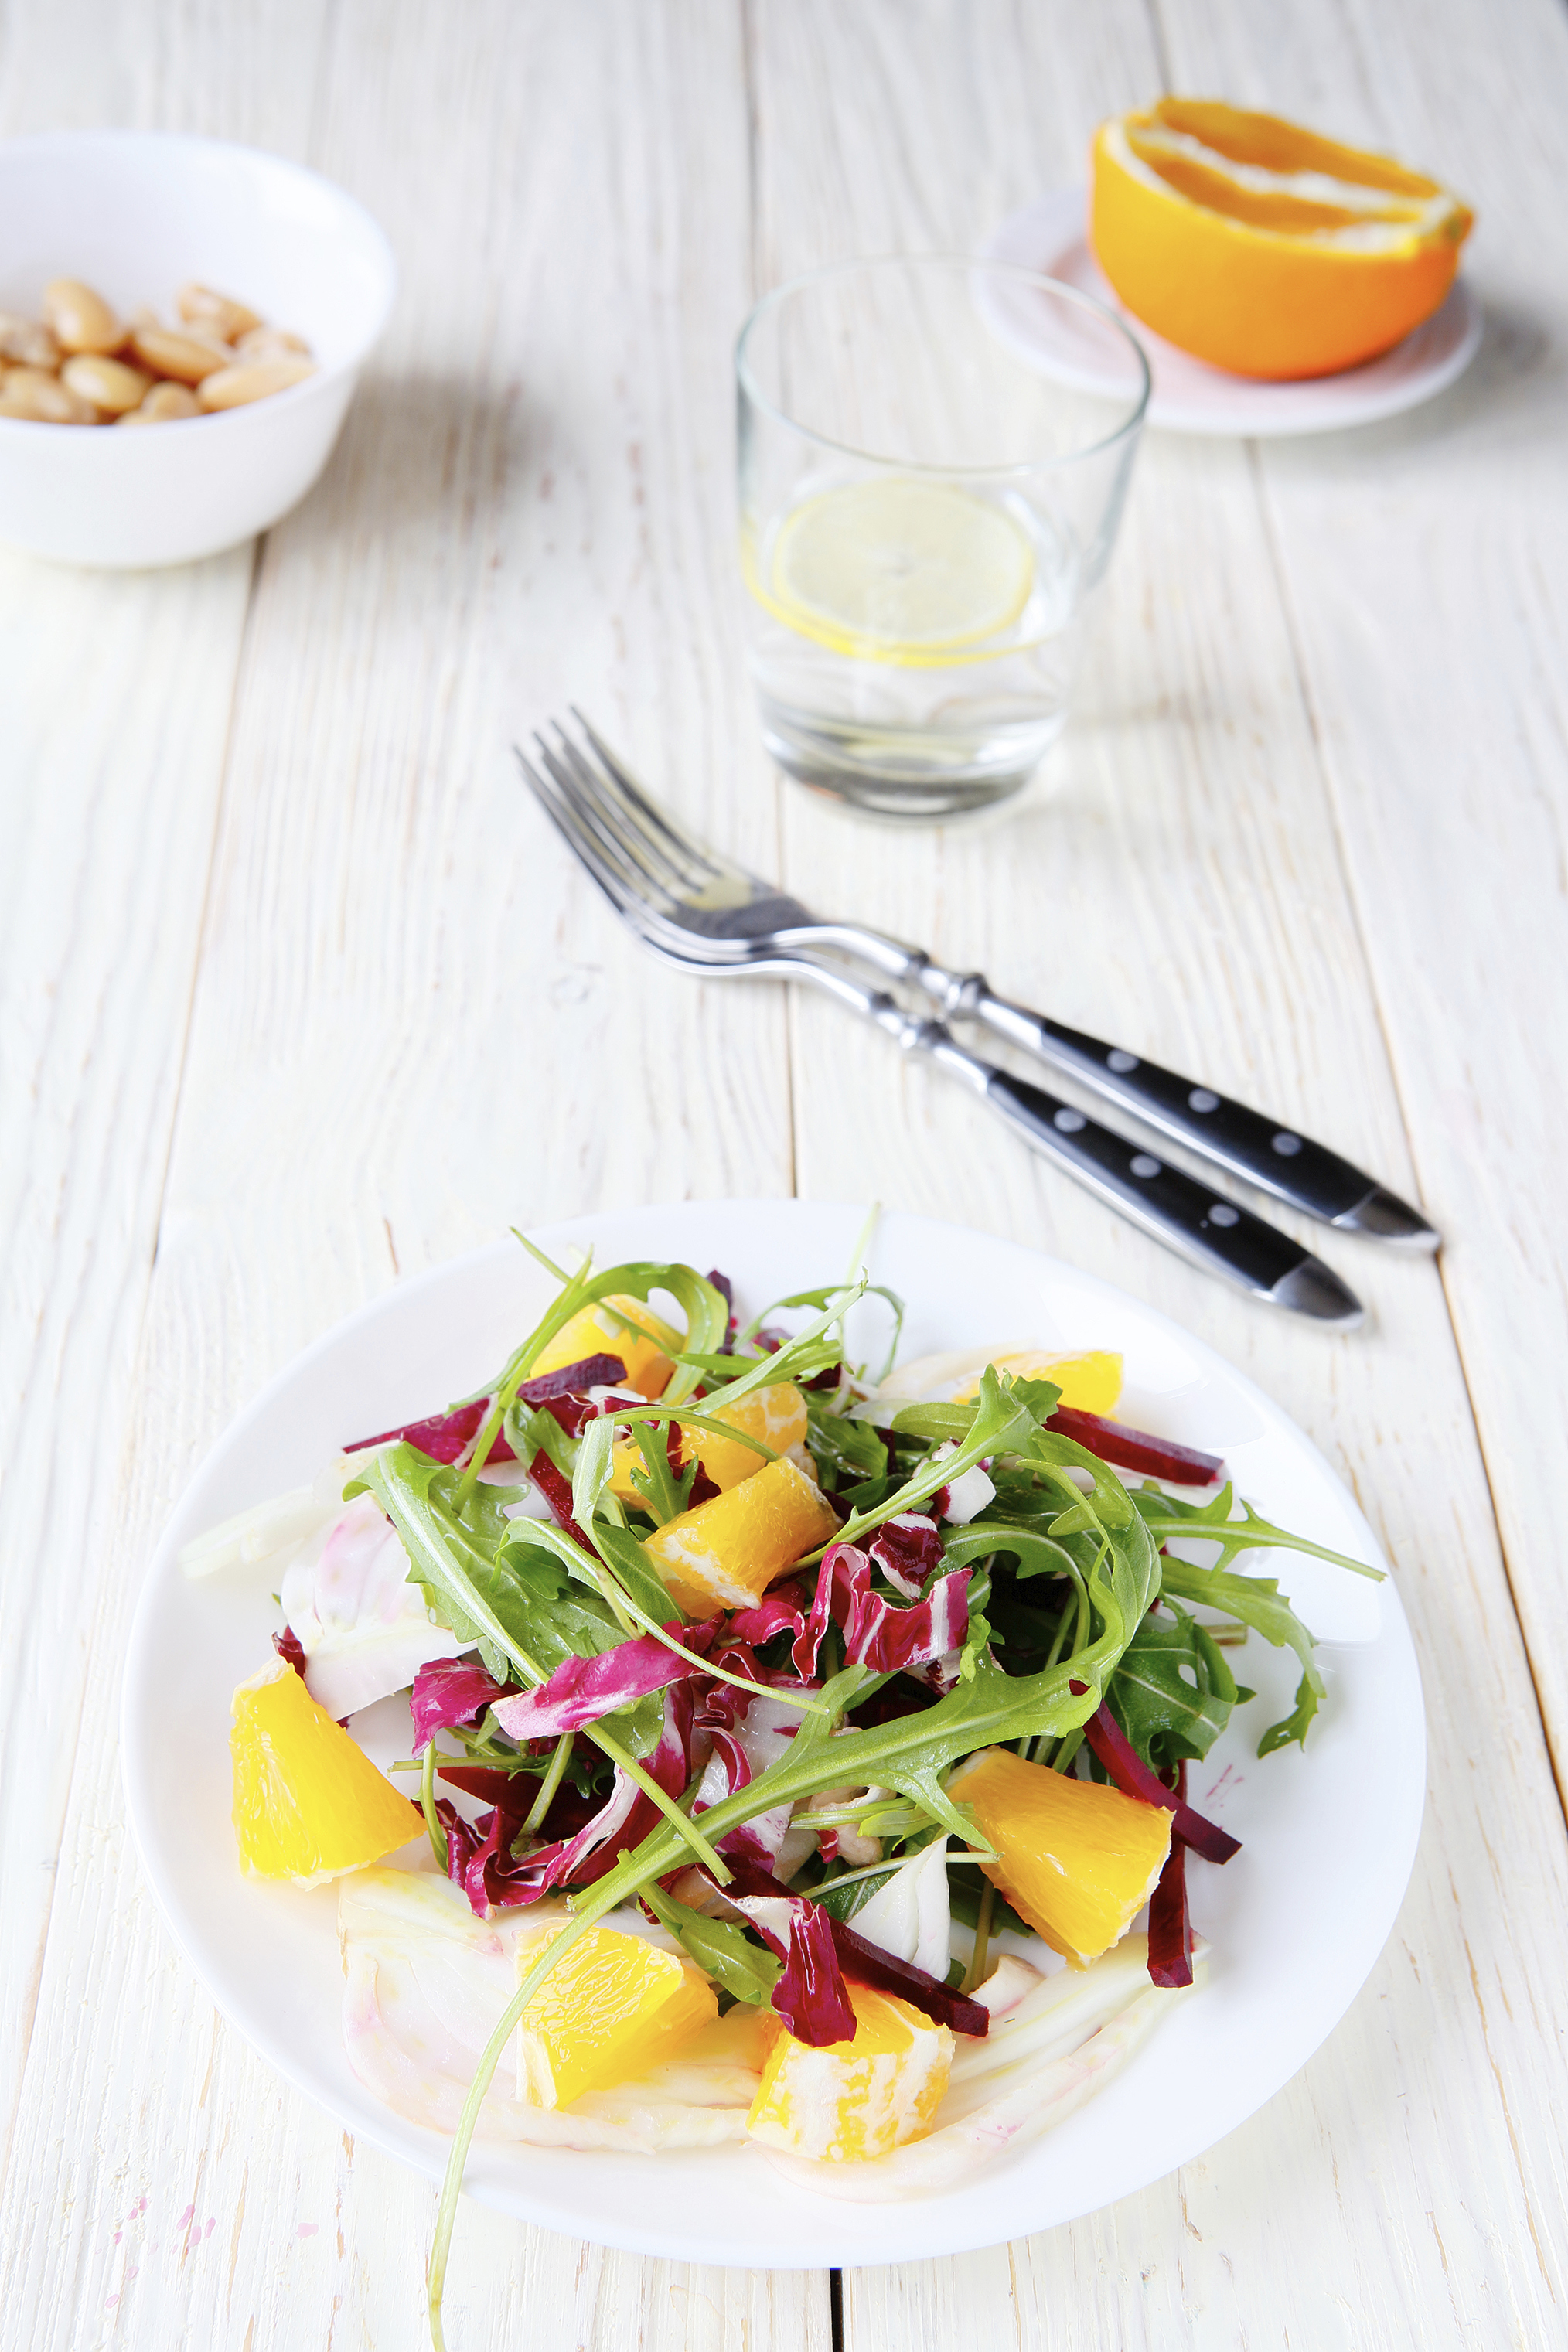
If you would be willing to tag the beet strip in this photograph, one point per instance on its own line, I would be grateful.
(1135, 1449)
(573, 1380)
(1133, 1777)
(868, 1964)
(1170, 1921)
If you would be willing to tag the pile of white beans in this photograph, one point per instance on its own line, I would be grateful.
(80, 364)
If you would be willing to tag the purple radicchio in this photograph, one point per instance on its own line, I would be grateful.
(877, 1633)
(907, 1549)
(481, 1857)
(580, 1690)
(449, 1691)
(445, 1436)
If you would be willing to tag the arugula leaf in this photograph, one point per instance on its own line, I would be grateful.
(1165, 1715)
(852, 1449)
(1258, 1601)
(1040, 1397)
(1165, 1516)
(845, 1900)
(747, 1970)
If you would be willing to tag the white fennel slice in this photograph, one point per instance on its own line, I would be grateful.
(1041, 2059)
(425, 1985)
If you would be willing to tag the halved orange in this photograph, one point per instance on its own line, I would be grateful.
(1078, 1861)
(309, 1804)
(1261, 246)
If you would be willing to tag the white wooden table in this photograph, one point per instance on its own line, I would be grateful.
(299, 997)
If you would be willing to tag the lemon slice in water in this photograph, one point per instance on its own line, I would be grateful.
(900, 570)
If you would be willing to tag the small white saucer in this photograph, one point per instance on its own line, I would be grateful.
(1050, 236)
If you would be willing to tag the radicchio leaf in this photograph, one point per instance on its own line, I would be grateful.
(781, 1610)
(449, 1691)
(1170, 1923)
(1133, 1777)
(1135, 1449)
(877, 1633)
(580, 1690)
(907, 1549)
(820, 1951)
(811, 1995)
(289, 1646)
(445, 1436)
(492, 1875)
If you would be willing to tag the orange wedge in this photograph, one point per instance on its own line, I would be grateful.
(860, 2099)
(775, 1414)
(731, 1549)
(1078, 1861)
(646, 1347)
(1089, 1383)
(309, 1804)
(611, 2007)
(1262, 247)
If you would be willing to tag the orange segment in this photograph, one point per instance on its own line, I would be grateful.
(1077, 1859)
(731, 1549)
(309, 1804)
(1089, 1383)
(775, 1414)
(860, 2099)
(601, 1330)
(611, 2008)
(1261, 246)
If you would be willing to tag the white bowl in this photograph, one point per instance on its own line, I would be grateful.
(135, 214)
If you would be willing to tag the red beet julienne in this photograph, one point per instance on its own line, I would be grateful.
(1170, 1921)
(1135, 1779)
(1135, 1449)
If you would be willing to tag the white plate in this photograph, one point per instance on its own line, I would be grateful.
(1296, 1920)
(1189, 397)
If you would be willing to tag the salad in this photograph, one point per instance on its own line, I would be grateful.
(795, 1748)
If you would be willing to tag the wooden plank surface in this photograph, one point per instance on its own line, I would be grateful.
(376, 1020)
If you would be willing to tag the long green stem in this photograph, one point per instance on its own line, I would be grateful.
(549, 1784)
(427, 1802)
(668, 1805)
(976, 1972)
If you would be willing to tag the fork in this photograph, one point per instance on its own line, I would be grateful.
(696, 932)
(708, 898)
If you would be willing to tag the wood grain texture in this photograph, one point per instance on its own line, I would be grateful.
(1422, 565)
(1184, 886)
(117, 697)
(1304, 839)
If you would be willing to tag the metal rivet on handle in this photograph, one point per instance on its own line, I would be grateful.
(1222, 1213)
(1069, 1121)
(1121, 1061)
(1286, 1145)
(1201, 1099)
(1143, 1166)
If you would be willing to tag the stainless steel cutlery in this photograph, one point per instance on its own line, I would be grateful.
(707, 916)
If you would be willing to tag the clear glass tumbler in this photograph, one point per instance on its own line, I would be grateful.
(925, 515)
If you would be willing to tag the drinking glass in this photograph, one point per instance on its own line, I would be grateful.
(925, 516)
